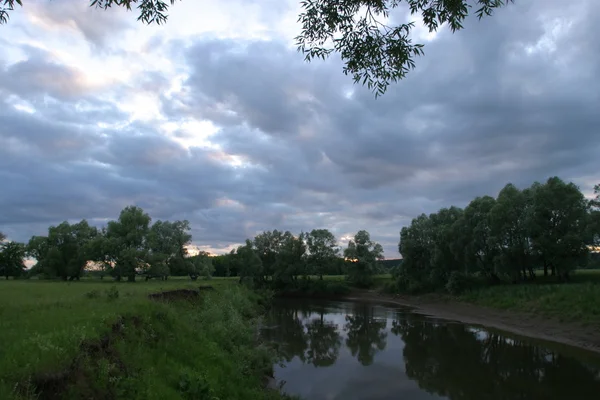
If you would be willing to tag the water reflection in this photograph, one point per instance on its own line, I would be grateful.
(342, 350)
(366, 333)
(459, 362)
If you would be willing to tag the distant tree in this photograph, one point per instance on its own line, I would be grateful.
(323, 250)
(167, 243)
(363, 253)
(64, 253)
(127, 242)
(250, 264)
(2, 237)
(290, 259)
(11, 259)
(201, 265)
(373, 52)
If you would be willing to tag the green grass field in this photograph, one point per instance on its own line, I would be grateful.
(170, 350)
(577, 301)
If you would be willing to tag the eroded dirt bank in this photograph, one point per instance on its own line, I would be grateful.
(519, 323)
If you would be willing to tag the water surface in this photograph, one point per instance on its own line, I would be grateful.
(352, 350)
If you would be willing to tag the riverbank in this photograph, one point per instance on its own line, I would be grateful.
(521, 323)
(104, 340)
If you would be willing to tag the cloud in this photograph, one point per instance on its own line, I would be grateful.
(237, 134)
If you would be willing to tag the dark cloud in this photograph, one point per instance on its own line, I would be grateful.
(511, 98)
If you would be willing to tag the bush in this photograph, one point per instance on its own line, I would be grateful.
(457, 283)
(112, 293)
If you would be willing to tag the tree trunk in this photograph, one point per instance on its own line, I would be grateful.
(545, 269)
(552, 270)
(131, 278)
(321, 276)
(6, 277)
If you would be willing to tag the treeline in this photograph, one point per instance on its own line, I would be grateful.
(133, 246)
(548, 226)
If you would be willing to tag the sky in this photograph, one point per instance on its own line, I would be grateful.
(216, 118)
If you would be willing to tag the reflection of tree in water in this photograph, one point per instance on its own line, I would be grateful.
(288, 333)
(316, 342)
(324, 342)
(366, 334)
(451, 361)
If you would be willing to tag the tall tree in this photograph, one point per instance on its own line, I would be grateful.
(558, 225)
(167, 243)
(290, 259)
(473, 233)
(249, 262)
(373, 52)
(11, 259)
(363, 253)
(323, 250)
(510, 232)
(64, 253)
(128, 241)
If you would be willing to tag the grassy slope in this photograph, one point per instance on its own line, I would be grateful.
(173, 351)
(578, 301)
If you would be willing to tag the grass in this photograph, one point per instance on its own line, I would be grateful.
(577, 301)
(162, 350)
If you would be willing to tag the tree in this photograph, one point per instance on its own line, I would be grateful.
(201, 265)
(323, 250)
(167, 243)
(473, 237)
(64, 253)
(290, 259)
(127, 242)
(2, 237)
(510, 232)
(373, 52)
(249, 263)
(11, 259)
(558, 225)
(363, 253)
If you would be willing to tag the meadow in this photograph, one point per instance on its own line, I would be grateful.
(576, 301)
(74, 339)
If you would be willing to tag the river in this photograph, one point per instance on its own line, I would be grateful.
(346, 350)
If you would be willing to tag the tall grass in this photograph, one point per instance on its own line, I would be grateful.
(576, 302)
(178, 350)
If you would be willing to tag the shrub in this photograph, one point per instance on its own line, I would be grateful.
(112, 293)
(457, 283)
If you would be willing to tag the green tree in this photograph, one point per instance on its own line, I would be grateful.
(373, 52)
(65, 252)
(473, 238)
(2, 237)
(416, 247)
(201, 265)
(11, 259)
(323, 251)
(363, 254)
(127, 242)
(558, 225)
(249, 263)
(510, 231)
(290, 259)
(167, 243)
(446, 257)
